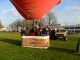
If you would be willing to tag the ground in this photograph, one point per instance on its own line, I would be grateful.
(10, 49)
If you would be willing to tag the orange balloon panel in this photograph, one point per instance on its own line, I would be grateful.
(34, 9)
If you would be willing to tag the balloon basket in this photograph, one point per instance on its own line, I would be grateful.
(36, 41)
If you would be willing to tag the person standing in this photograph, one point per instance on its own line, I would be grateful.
(22, 32)
(32, 31)
(27, 31)
(78, 46)
(52, 34)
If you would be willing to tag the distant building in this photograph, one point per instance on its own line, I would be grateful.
(72, 28)
(58, 25)
(2, 29)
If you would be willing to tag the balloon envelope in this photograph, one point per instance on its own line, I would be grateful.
(34, 9)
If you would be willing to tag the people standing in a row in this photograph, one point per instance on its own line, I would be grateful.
(39, 31)
(35, 31)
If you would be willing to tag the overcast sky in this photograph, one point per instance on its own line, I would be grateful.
(67, 12)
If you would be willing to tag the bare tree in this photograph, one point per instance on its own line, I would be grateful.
(30, 22)
(49, 19)
(43, 21)
(27, 22)
(1, 26)
(18, 23)
(52, 18)
(14, 25)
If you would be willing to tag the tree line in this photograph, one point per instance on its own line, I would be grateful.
(49, 19)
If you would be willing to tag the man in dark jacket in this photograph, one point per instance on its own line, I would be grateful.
(27, 31)
(78, 46)
(22, 31)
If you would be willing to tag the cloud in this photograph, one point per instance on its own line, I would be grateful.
(9, 15)
(11, 12)
(72, 9)
(70, 15)
(1, 18)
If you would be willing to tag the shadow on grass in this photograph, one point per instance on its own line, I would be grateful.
(11, 41)
(65, 50)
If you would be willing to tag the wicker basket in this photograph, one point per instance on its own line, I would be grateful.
(35, 41)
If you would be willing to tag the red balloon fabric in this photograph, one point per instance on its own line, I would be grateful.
(34, 9)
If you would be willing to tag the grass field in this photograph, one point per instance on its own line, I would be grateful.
(10, 49)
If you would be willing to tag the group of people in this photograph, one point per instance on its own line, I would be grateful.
(43, 31)
(38, 31)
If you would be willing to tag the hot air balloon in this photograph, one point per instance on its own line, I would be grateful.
(34, 9)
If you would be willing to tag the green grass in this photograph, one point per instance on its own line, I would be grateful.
(10, 49)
